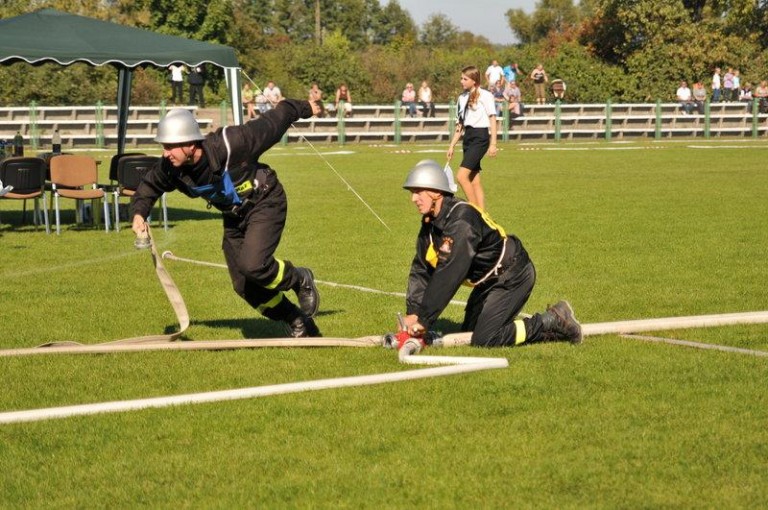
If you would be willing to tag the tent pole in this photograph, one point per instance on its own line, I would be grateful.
(233, 84)
(123, 104)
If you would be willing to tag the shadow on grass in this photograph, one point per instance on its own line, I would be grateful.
(19, 222)
(446, 326)
(256, 327)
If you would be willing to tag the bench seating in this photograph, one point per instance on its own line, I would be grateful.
(78, 126)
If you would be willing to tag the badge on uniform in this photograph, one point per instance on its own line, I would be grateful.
(445, 248)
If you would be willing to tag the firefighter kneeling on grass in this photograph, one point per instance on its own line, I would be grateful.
(224, 169)
(459, 244)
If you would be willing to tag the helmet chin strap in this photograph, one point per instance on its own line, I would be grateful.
(190, 156)
(434, 197)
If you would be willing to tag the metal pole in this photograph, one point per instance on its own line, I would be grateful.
(707, 119)
(657, 134)
(100, 124)
(505, 122)
(754, 117)
(451, 120)
(34, 134)
(340, 123)
(557, 120)
(397, 122)
(608, 120)
(224, 120)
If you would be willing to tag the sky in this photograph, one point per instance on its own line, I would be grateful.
(481, 17)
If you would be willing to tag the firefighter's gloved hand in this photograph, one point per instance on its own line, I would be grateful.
(417, 330)
(142, 241)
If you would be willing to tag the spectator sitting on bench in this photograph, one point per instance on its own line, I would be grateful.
(684, 97)
(761, 96)
(558, 90)
(425, 100)
(513, 96)
(699, 97)
(497, 90)
(408, 99)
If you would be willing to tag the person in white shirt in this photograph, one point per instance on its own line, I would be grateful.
(493, 74)
(177, 82)
(477, 122)
(716, 86)
(425, 100)
(272, 94)
(685, 97)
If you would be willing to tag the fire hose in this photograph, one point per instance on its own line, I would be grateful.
(407, 353)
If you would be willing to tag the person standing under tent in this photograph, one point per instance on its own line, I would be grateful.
(223, 168)
(196, 80)
(459, 244)
(177, 82)
(477, 122)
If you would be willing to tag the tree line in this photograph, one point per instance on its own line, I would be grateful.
(622, 50)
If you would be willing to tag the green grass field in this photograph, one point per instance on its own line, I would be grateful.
(623, 230)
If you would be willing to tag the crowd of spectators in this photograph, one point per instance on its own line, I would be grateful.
(725, 87)
(503, 84)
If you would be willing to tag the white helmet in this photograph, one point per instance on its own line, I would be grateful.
(178, 126)
(428, 174)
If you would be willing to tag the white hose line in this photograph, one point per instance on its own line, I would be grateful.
(457, 366)
(643, 325)
(695, 321)
(696, 345)
(450, 340)
(196, 345)
(170, 256)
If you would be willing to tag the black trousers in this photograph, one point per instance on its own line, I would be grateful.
(177, 91)
(196, 95)
(493, 306)
(249, 246)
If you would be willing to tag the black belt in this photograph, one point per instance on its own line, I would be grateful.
(250, 197)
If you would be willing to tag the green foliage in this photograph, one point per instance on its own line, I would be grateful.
(329, 65)
(589, 80)
(549, 16)
(438, 30)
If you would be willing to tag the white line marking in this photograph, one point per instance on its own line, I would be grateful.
(697, 345)
(170, 256)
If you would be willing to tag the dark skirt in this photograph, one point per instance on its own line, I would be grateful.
(476, 143)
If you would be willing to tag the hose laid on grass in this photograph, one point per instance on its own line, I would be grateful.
(455, 366)
(167, 342)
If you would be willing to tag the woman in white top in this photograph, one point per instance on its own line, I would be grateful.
(477, 121)
(425, 100)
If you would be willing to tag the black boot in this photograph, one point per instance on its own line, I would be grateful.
(297, 324)
(306, 291)
(302, 327)
(559, 323)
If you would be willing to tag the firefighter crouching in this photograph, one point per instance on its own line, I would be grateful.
(224, 169)
(460, 244)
